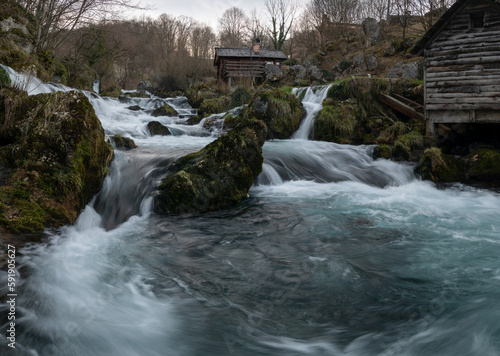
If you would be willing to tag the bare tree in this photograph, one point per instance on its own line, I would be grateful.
(232, 28)
(429, 11)
(281, 14)
(257, 29)
(55, 19)
(201, 41)
(337, 16)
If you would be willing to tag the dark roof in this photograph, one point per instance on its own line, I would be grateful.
(249, 53)
(440, 24)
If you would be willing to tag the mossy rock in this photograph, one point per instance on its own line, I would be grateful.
(196, 94)
(382, 151)
(57, 157)
(193, 120)
(121, 142)
(4, 78)
(335, 123)
(281, 111)
(165, 110)
(214, 106)
(156, 128)
(408, 147)
(439, 167)
(216, 177)
(483, 164)
(113, 92)
(240, 96)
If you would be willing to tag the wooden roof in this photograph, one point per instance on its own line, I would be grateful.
(440, 25)
(268, 54)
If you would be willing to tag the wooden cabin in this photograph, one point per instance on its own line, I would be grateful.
(244, 62)
(462, 65)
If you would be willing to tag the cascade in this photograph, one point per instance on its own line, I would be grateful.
(312, 99)
(333, 253)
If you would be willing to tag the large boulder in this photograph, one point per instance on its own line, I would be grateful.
(407, 70)
(336, 122)
(372, 31)
(483, 164)
(216, 177)
(165, 110)
(272, 70)
(281, 111)
(214, 106)
(54, 159)
(439, 167)
(156, 128)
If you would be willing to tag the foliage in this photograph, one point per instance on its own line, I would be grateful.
(240, 96)
(4, 78)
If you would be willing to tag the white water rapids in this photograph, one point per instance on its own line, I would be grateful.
(332, 253)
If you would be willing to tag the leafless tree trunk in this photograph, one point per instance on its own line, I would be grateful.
(232, 28)
(281, 14)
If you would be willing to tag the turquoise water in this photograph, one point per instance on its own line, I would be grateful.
(332, 253)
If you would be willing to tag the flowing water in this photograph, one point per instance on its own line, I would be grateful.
(332, 253)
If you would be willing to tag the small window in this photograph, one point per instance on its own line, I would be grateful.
(476, 20)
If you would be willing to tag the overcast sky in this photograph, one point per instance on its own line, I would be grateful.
(206, 11)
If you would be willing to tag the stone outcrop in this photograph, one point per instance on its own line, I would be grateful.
(372, 31)
(281, 111)
(125, 143)
(439, 167)
(54, 159)
(407, 70)
(216, 177)
(165, 110)
(156, 128)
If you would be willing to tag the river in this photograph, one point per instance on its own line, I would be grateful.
(332, 253)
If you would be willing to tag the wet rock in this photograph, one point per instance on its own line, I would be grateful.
(440, 167)
(165, 110)
(281, 111)
(54, 147)
(214, 106)
(125, 143)
(382, 151)
(483, 164)
(135, 108)
(156, 128)
(335, 122)
(216, 177)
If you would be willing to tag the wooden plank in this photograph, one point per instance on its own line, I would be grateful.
(467, 37)
(463, 95)
(477, 60)
(465, 89)
(462, 78)
(459, 107)
(450, 117)
(463, 100)
(401, 107)
(468, 73)
(437, 52)
(463, 82)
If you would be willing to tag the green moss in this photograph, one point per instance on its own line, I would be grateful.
(4, 78)
(165, 110)
(335, 123)
(216, 177)
(214, 106)
(407, 146)
(56, 147)
(483, 164)
(439, 167)
(382, 151)
(239, 97)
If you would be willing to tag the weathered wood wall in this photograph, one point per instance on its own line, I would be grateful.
(462, 69)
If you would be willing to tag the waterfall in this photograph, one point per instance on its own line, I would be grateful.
(332, 253)
(312, 101)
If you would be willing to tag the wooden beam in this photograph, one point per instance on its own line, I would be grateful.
(401, 107)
